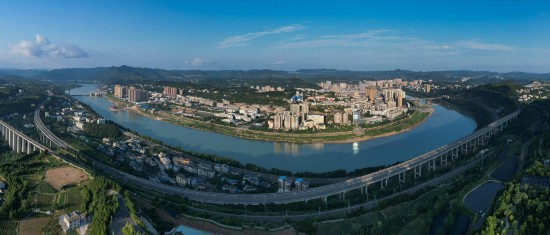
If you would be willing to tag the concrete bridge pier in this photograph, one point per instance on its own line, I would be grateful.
(384, 183)
(464, 148)
(29, 147)
(480, 140)
(443, 159)
(402, 177)
(17, 146)
(454, 154)
(342, 196)
(23, 145)
(10, 138)
(431, 165)
(417, 171)
(365, 190)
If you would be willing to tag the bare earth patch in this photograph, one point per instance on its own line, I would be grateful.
(33, 226)
(62, 176)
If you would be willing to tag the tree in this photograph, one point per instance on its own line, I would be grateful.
(128, 229)
(491, 225)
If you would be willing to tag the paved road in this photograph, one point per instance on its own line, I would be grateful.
(123, 217)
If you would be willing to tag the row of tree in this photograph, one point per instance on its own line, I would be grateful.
(97, 201)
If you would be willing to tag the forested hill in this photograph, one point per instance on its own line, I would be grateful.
(135, 74)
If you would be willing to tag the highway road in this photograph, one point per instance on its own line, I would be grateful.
(282, 197)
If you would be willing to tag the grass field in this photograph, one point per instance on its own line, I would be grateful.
(8, 227)
(72, 200)
(61, 199)
(52, 226)
(45, 201)
(33, 226)
(44, 187)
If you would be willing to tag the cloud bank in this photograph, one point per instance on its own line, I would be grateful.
(42, 47)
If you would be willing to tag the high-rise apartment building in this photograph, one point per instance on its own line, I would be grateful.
(137, 95)
(371, 93)
(170, 91)
(121, 92)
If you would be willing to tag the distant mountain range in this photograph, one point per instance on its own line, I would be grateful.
(133, 74)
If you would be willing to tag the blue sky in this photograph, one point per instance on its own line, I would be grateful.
(287, 35)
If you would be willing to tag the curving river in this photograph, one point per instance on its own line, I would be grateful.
(443, 126)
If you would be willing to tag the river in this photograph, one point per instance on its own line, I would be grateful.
(443, 126)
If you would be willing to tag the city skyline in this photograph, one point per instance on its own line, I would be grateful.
(492, 35)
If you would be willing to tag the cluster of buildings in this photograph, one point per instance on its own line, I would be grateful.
(350, 103)
(287, 184)
(79, 117)
(204, 169)
(267, 88)
(189, 173)
(363, 102)
(131, 94)
(298, 118)
(199, 107)
(533, 91)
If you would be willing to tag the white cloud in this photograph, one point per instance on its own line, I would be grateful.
(195, 62)
(42, 47)
(241, 40)
(474, 45)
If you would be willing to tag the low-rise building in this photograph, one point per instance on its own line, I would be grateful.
(284, 184)
(70, 221)
(301, 184)
(181, 179)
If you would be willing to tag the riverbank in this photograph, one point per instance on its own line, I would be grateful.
(402, 125)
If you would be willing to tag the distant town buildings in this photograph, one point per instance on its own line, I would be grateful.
(308, 109)
(267, 88)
